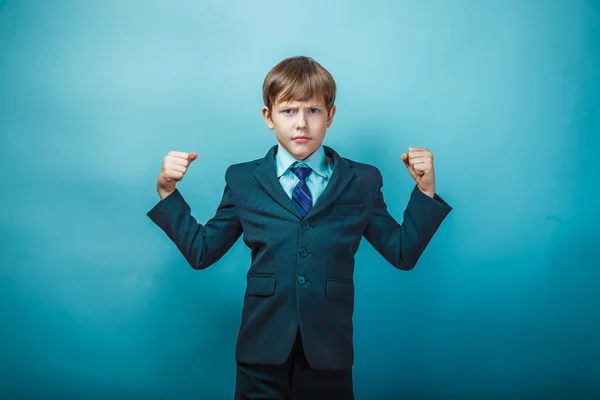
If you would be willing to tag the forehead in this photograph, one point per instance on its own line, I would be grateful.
(315, 101)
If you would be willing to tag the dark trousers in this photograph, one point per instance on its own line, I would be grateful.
(293, 380)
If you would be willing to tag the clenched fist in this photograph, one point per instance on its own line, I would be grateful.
(419, 162)
(174, 167)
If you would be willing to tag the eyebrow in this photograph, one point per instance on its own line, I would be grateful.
(309, 106)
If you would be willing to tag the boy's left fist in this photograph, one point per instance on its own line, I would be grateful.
(419, 162)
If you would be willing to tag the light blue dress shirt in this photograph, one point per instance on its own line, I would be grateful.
(317, 180)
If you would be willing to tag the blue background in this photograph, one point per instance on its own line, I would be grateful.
(96, 302)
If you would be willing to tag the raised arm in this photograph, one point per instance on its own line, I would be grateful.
(201, 245)
(403, 244)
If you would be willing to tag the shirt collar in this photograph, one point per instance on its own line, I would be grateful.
(317, 161)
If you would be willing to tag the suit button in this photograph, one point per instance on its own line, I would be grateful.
(305, 226)
(303, 252)
(301, 280)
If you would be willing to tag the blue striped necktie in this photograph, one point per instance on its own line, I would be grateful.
(301, 196)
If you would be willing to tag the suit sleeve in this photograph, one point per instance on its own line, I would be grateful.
(201, 245)
(403, 244)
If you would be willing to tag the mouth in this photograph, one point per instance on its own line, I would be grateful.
(301, 139)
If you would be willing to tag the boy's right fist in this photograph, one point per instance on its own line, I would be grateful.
(174, 167)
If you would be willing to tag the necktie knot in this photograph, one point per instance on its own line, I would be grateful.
(301, 172)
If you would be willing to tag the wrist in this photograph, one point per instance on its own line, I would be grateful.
(428, 192)
(164, 193)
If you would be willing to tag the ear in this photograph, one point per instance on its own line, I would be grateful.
(330, 116)
(267, 116)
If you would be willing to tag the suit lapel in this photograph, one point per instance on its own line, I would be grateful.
(340, 178)
(266, 176)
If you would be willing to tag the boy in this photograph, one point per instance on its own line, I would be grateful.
(302, 210)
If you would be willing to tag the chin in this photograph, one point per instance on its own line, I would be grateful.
(300, 151)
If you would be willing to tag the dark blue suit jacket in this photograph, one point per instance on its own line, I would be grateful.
(301, 273)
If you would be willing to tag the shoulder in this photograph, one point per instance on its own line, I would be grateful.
(357, 166)
(243, 166)
(362, 169)
(247, 165)
(242, 170)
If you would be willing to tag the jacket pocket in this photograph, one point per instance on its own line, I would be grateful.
(340, 289)
(347, 209)
(261, 285)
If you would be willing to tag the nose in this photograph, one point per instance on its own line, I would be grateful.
(301, 122)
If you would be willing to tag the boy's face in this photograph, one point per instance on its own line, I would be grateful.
(299, 126)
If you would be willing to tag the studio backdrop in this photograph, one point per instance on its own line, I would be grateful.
(96, 302)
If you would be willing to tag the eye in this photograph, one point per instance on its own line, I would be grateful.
(287, 112)
(314, 110)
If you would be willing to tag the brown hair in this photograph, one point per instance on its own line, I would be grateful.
(298, 78)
